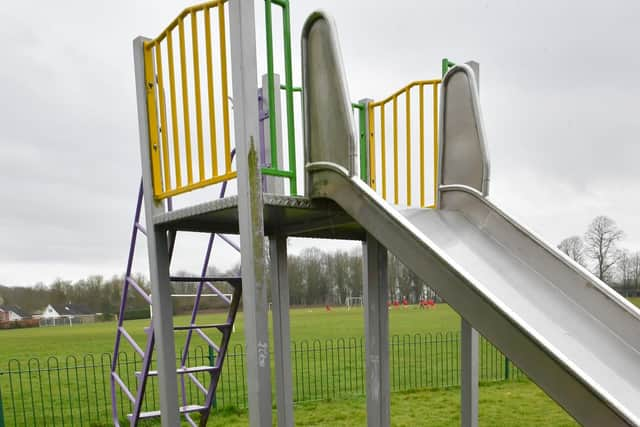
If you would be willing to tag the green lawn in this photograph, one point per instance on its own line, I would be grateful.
(424, 353)
(514, 404)
(306, 324)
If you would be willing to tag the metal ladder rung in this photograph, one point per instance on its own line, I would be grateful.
(198, 384)
(219, 326)
(232, 280)
(138, 289)
(230, 242)
(141, 228)
(183, 410)
(182, 371)
(123, 387)
(217, 291)
(133, 343)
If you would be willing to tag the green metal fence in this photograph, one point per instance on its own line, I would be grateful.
(75, 391)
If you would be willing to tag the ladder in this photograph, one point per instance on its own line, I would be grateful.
(204, 282)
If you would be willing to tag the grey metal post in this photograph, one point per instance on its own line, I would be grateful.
(469, 349)
(250, 209)
(274, 184)
(376, 317)
(158, 252)
(367, 137)
(281, 334)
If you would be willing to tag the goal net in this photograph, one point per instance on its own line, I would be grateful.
(353, 302)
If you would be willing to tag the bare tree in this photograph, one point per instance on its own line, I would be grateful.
(635, 268)
(574, 248)
(625, 268)
(600, 245)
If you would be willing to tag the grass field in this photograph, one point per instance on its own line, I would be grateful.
(306, 324)
(514, 404)
(505, 403)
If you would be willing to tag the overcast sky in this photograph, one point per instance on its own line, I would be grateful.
(559, 96)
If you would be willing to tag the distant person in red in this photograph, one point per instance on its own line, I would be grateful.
(327, 307)
(431, 303)
(422, 304)
(396, 303)
(405, 303)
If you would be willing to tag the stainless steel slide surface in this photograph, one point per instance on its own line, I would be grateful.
(570, 333)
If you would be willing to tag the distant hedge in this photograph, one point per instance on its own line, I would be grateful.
(140, 313)
(16, 324)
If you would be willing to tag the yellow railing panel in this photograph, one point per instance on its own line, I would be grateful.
(153, 120)
(184, 131)
(411, 144)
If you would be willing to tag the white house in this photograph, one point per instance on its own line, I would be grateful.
(65, 314)
(49, 313)
(8, 313)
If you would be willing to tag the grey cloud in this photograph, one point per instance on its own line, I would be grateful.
(558, 91)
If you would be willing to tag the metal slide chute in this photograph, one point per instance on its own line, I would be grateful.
(569, 332)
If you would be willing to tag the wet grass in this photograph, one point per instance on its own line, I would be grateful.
(518, 403)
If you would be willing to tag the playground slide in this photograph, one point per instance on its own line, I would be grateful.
(568, 331)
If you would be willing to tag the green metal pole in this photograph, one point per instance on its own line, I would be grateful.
(212, 362)
(288, 76)
(506, 368)
(446, 64)
(288, 86)
(2, 424)
(362, 118)
(271, 89)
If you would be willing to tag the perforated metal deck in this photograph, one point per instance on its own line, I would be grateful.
(292, 216)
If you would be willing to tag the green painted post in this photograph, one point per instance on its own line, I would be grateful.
(362, 116)
(2, 424)
(271, 88)
(288, 80)
(289, 89)
(446, 64)
(506, 368)
(362, 137)
(212, 362)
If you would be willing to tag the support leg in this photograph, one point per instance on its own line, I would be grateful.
(163, 327)
(469, 346)
(158, 249)
(250, 208)
(376, 333)
(281, 335)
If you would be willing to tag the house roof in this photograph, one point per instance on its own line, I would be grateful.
(71, 309)
(17, 310)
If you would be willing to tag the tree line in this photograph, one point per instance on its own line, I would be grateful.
(319, 277)
(598, 250)
(316, 277)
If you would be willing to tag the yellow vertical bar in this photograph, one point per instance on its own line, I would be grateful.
(185, 102)
(225, 89)
(421, 145)
(196, 84)
(395, 149)
(212, 112)
(174, 112)
(372, 148)
(435, 142)
(383, 151)
(163, 119)
(408, 123)
(153, 121)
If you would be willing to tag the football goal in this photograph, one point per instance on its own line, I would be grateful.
(353, 302)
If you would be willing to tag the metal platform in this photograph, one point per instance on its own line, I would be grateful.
(290, 216)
